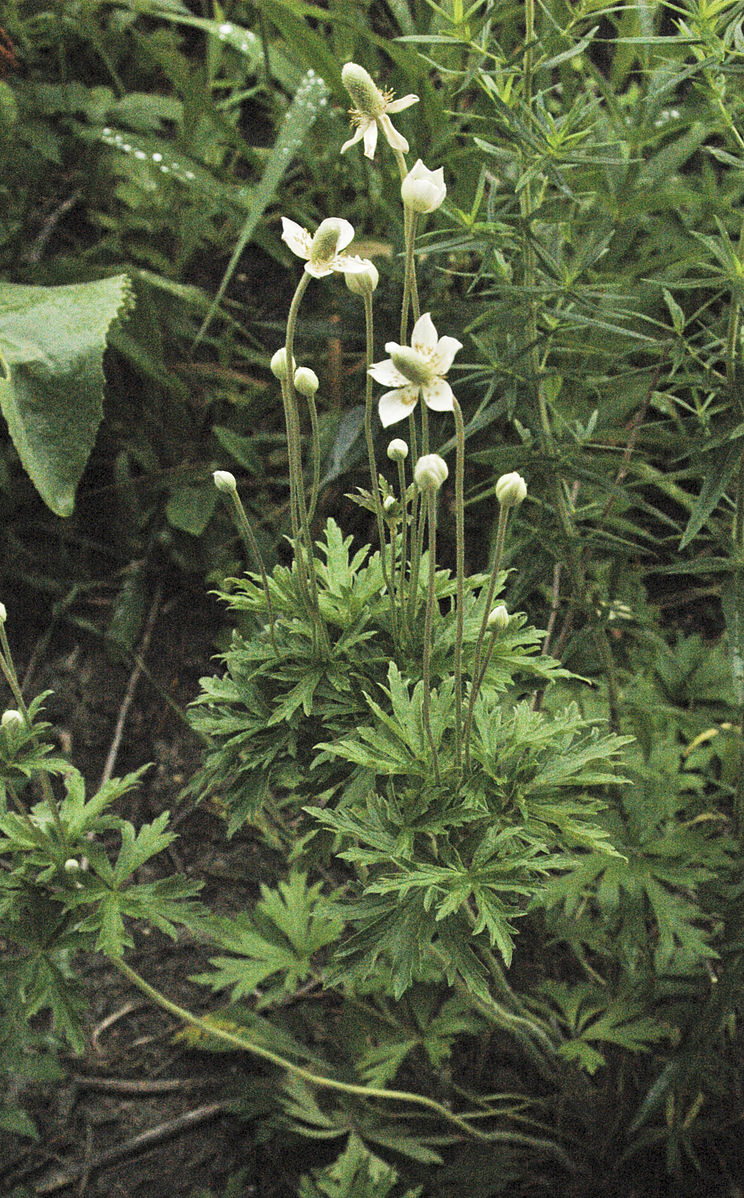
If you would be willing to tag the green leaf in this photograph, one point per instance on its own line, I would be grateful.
(310, 98)
(716, 481)
(190, 508)
(52, 340)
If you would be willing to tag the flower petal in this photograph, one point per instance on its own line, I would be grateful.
(438, 395)
(349, 264)
(387, 374)
(424, 335)
(345, 234)
(318, 270)
(358, 135)
(297, 238)
(396, 405)
(394, 139)
(370, 139)
(444, 354)
(403, 102)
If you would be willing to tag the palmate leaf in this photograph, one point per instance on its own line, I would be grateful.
(590, 1021)
(278, 940)
(52, 341)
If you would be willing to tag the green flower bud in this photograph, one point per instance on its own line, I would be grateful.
(363, 282)
(498, 618)
(511, 489)
(306, 381)
(278, 365)
(12, 719)
(225, 481)
(397, 450)
(365, 95)
(430, 472)
(389, 503)
(72, 865)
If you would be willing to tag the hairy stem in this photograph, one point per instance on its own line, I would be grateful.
(431, 498)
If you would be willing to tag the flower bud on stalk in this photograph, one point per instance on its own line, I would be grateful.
(430, 472)
(12, 719)
(225, 481)
(498, 618)
(278, 366)
(511, 490)
(397, 450)
(423, 190)
(364, 281)
(306, 382)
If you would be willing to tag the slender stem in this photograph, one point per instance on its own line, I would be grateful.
(492, 583)
(295, 457)
(8, 669)
(410, 290)
(242, 1042)
(249, 540)
(431, 498)
(374, 480)
(404, 539)
(416, 542)
(313, 409)
(417, 548)
(460, 571)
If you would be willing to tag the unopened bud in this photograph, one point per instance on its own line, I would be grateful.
(363, 282)
(511, 489)
(430, 472)
(389, 503)
(278, 365)
(423, 190)
(12, 719)
(498, 618)
(3, 613)
(225, 481)
(306, 381)
(397, 450)
(72, 865)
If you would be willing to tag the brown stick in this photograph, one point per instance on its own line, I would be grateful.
(137, 1144)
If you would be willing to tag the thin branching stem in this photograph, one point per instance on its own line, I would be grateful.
(431, 598)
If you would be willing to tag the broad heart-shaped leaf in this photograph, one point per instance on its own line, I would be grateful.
(52, 341)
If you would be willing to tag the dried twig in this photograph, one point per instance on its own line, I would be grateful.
(108, 768)
(140, 1143)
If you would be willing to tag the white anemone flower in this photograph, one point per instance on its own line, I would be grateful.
(323, 253)
(416, 369)
(371, 111)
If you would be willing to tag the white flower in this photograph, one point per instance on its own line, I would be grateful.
(323, 252)
(423, 190)
(370, 111)
(418, 368)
